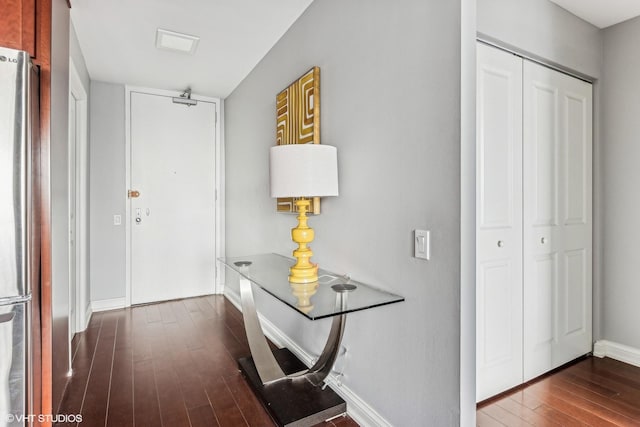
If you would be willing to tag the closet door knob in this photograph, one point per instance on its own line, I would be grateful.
(543, 240)
(500, 243)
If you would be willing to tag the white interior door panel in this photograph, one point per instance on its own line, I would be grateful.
(557, 219)
(173, 219)
(499, 222)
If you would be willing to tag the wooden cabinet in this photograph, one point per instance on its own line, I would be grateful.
(18, 29)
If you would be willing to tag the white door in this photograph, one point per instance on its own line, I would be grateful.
(499, 222)
(173, 219)
(557, 219)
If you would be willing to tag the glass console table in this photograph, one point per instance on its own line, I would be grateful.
(280, 379)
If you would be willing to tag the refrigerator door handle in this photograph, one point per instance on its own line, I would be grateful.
(7, 317)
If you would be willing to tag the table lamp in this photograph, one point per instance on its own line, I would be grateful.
(304, 171)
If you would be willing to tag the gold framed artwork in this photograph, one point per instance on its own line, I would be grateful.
(298, 122)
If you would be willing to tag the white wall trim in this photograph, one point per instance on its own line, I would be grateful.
(78, 94)
(621, 352)
(220, 200)
(358, 409)
(219, 184)
(107, 304)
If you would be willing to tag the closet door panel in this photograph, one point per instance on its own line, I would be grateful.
(499, 222)
(557, 218)
(575, 326)
(544, 154)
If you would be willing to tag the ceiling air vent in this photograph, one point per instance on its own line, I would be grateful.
(171, 40)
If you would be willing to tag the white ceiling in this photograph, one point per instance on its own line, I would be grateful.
(602, 13)
(117, 38)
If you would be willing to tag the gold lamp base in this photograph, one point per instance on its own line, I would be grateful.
(304, 271)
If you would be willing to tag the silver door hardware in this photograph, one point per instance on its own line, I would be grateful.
(500, 243)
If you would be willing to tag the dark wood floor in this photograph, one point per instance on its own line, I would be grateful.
(171, 364)
(592, 392)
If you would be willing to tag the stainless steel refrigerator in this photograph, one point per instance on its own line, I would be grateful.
(19, 251)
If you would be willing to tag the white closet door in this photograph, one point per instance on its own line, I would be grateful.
(499, 222)
(557, 219)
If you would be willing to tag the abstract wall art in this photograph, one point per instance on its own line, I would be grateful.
(298, 122)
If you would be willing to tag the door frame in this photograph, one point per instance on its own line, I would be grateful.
(219, 184)
(78, 94)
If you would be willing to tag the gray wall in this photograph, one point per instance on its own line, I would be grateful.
(621, 151)
(59, 196)
(78, 59)
(81, 67)
(108, 190)
(543, 29)
(390, 79)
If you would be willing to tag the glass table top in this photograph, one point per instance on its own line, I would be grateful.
(315, 301)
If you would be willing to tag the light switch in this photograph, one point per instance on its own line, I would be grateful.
(117, 220)
(421, 244)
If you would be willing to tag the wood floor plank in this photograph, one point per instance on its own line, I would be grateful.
(345, 422)
(186, 325)
(191, 385)
(484, 420)
(586, 412)
(615, 371)
(139, 336)
(526, 400)
(608, 404)
(94, 407)
(203, 416)
(125, 330)
(191, 304)
(173, 410)
(249, 405)
(607, 409)
(560, 417)
(83, 360)
(120, 409)
(588, 384)
(525, 413)
(166, 312)
(146, 408)
(153, 313)
(505, 417)
(207, 309)
(224, 406)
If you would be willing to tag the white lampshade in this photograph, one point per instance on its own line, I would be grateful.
(303, 170)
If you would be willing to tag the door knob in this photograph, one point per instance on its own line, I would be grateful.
(543, 240)
(500, 243)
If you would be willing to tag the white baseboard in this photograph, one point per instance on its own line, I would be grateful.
(616, 351)
(107, 304)
(358, 409)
